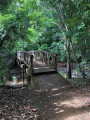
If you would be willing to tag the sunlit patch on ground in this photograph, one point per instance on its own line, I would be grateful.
(57, 110)
(20, 82)
(83, 116)
(58, 94)
(61, 101)
(55, 89)
(76, 102)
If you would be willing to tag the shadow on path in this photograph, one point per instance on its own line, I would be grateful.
(57, 100)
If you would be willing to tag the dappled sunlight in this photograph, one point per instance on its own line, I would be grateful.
(73, 106)
(36, 68)
(40, 91)
(60, 99)
(65, 87)
(44, 60)
(55, 104)
(55, 89)
(76, 102)
(83, 116)
(57, 94)
(57, 110)
(17, 83)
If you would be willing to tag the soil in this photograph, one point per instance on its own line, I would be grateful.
(59, 101)
(52, 99)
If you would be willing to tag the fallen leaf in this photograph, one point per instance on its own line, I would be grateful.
(6, 106)
(26, 108)
(33, 110)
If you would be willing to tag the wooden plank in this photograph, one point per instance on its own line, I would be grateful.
(41, 68)
(37, 66)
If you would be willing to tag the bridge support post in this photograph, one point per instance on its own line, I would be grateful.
(29, 72)
(29, 81)
(55, 62)
(42, 57)
(28, 77)
(31, 58)
(23, 70)
(47, 59)
(23, 73)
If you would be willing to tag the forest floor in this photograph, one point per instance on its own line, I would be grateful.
(57, 100)
(52, 99)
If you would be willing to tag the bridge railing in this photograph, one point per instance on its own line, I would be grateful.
(27, 58)
(48, 58)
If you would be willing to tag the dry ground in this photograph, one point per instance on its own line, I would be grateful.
(59, 101)
(52, 99)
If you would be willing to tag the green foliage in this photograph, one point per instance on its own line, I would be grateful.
(40, 25)
(7, 59)
(44, 47)
(60, 50)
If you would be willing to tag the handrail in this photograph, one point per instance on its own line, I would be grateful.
(44, 52)
(27, 58)
(50, 59)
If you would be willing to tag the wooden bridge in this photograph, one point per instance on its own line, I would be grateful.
(36, 63)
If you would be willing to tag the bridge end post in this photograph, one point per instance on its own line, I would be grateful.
(28, 71)
(31, 58)
(55, 62)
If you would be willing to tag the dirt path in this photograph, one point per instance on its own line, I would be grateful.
(52, 99)
(58, 101)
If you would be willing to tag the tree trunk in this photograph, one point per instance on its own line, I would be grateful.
(62, 18)
(82, 72)
(68, 59)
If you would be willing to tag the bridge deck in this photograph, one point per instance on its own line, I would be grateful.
(41, 68)
(27, 60)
